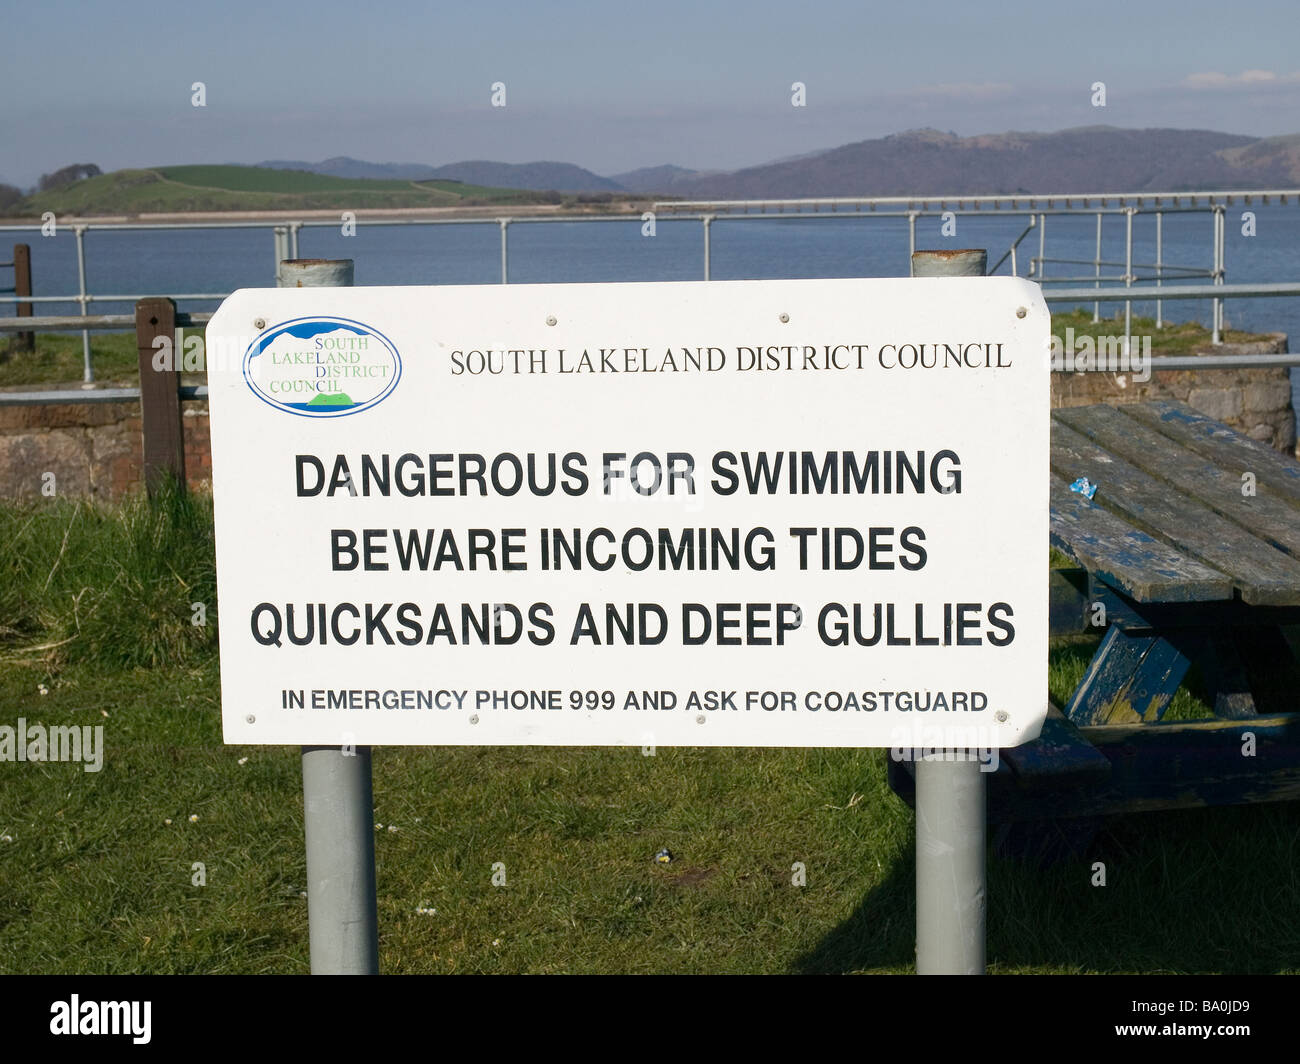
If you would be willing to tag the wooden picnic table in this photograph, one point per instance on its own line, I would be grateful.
(1188, 558)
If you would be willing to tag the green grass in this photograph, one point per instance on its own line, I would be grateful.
(58, 356)
(1175, 338)
(265, 179)
(115, 587)
(253, 188)
(97, 608)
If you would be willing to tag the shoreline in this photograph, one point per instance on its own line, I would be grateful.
(288, 217)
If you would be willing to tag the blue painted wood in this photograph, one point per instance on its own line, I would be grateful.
(1154, 684)
(1125, 612)
(1059, 757)
(1262, 574)
(1126, 557)
(1130, 679)
(1264, 515)
(1229, 449)
(1166, 766)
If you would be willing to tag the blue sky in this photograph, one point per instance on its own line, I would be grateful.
(614, 87)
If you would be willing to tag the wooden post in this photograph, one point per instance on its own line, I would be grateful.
(160, 403)
(23, 341)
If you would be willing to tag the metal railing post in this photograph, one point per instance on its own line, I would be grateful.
(293, 239)
(950, 799)
(1160, 266)
(280, 235)
(708, 222)
(87, 371)
(505, 261)
(1041, 271)
(1128, 276)
(1216, 310)
(1096, 307)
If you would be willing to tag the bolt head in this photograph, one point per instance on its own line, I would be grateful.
(550, 320)
(1021, 312)
(1001, 716)
(785, 317)
(259, 324)
(251, 719)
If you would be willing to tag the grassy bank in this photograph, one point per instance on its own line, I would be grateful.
(255, 188)
(58, 356)
(98, 870)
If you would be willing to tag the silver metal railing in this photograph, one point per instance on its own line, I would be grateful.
(285, 237)
(200, 391)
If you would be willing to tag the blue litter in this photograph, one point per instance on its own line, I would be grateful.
(1084, 487)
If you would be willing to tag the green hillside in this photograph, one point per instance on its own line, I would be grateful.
(253, 188)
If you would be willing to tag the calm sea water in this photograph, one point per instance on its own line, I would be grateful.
(163, 262)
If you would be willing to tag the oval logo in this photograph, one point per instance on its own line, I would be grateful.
(322, 367)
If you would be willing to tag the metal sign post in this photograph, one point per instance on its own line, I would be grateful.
(337, 800)
(950, 795)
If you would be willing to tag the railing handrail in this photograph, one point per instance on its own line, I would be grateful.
(92, 323)
(1013, 202)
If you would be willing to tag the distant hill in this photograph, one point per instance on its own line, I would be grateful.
(1091, 159)
(918, 162)
(251, 188)
(543, 176)
(346, 166)
(653, 178)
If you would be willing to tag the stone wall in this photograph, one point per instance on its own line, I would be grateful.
(1256, 402)
(93, 449)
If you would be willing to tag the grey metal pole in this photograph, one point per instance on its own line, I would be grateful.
(1042, 248)
(280, 234)
(950, 874)
(1216, 309)
(87, 371)
(1160, 266)
(708, 223)
(337, 799)
(505, 262)
(1096, 307)
(1128, 277)
(338, 814)
(950, 829)
(965, 262)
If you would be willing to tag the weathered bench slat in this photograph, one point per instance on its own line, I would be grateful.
(1263, 515)
(1126, 557)
(1130, 678)
(1230, 450)
(1264, 576)
(1059, 757)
